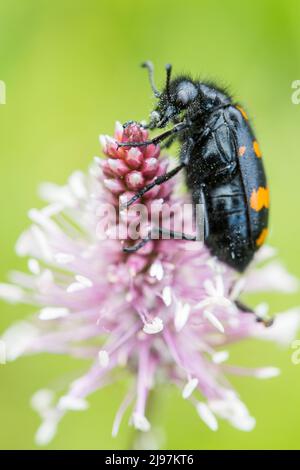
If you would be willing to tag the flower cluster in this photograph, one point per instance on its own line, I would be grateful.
(164, 312)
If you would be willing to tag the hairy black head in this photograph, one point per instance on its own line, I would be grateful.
(183, 95)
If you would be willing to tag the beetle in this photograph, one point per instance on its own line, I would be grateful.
(222, 161)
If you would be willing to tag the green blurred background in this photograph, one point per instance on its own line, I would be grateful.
(71, 69)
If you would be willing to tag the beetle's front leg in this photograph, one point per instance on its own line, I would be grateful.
(159, 138)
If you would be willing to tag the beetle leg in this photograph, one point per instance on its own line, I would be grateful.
(171, 233)
(177, 128)
(168, 142)
(157, 182)
(245, 309)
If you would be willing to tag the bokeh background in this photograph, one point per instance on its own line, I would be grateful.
(71, 69)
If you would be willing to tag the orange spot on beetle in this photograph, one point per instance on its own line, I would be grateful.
(243, 112)
(242, 150)
(260, 198)
(263, 235)
(256, 149)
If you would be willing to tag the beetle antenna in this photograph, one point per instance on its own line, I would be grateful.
(168, 79)
(149, 66)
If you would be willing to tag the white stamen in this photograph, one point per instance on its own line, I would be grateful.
(24, 244)
(219, 286)
(76, 183)
(46, 432)
(220, 357)
(51, 313)
(68, 402)
(33, 266)
(45, 280)
(207, 416)
(267, 373)
(42, 400)
(63, 258)
(52, 209)
(41, 218)
(57, 194)
(84, 281)
(11, 293)
(181, 315)
(140, 422)
(234, 411)
(18, 338)
(244, 423)
(213, 320)
(262, 310)
(189, 388)
(167, 295)
(103, 358)
(154, 326)
(209, 287)
(102, 140)
(157, 270)
(75, 286)
(42, 242)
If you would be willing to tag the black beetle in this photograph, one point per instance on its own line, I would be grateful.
(222, 161)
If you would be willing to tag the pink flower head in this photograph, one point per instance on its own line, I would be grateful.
(166, 311)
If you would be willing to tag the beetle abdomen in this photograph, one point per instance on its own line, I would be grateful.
(229, 235)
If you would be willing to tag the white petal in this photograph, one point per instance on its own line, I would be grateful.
(68, 402)
(284, 329)
(267, 373)
(181, 315)
(220, 357)
(41, 218)
(157, 270)
(207, 416)
(167, 295)
(11, 293)
(75, 286)
(63, 258)
(213, 320)
(58, 194)
(244, 423)
(46, 432)
(209, 287)
(84, 281)
(140, 422)
(153, 327)
(51, 313)
(42, 400)
(33, 266)
(271, 277)
(24, 244)
(189, 388)
(42, 243)
(77, 185)
(103, 358)
(18, 338)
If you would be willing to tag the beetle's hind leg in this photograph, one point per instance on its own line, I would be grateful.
(245, 309)
(161, 231)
